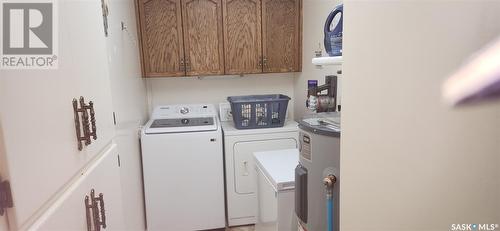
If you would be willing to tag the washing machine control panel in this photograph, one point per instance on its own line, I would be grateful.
(185, 110)
(184, 122)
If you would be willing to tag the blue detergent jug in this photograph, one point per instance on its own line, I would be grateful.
(333, 38)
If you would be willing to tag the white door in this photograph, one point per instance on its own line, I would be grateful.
(37, 117)
(68, 212)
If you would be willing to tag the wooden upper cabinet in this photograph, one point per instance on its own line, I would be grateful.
(203, 37)
(242, 36)
(281, 32)
(216, 37)
(162, 43)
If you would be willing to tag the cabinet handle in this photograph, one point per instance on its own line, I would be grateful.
(95, 212)
(85, 121)
(5, 196)
(188, 65)
(264, 61)
(79, 137)
(260, 61)
(182, 67)
(103, 211)
(82, 113)
(93, 130)
(88, 211)
(105, 14)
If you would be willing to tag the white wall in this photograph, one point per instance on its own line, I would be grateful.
(128, 87)
(408, 162)
(315, 13)
(128, 91)
(216, 89)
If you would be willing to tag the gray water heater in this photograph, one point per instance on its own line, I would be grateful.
(319, 157)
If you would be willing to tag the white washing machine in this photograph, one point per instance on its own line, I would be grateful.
(183, 169)
(276, 189)
(241, 177)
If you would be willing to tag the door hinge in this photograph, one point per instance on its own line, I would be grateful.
(105, 14)
(5, 197)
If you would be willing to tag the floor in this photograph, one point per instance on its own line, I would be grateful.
(241, 228)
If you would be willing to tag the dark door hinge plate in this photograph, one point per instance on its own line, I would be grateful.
(5, 197)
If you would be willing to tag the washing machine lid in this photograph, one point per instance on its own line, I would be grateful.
(278, 167)
(230, 130)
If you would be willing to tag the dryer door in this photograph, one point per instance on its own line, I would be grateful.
(245, 179)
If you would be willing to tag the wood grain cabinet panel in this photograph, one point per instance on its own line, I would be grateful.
(203, 37)
(162, 43)
(215, 37)
(242, 36)
(281, 32)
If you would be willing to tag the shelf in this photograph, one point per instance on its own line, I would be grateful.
(325, 61)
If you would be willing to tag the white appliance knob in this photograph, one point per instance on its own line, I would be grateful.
(184, 110)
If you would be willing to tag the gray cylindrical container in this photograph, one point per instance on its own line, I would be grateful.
(319, 157)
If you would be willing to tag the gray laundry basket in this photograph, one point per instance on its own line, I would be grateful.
(259, 111)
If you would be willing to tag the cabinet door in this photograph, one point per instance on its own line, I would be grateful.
(281, 22)
(37, 119)
(245, 177)
(203, 37)
(68, 211)
(161, 37)
(242, 36)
